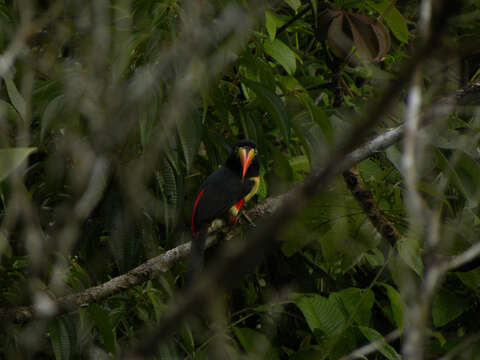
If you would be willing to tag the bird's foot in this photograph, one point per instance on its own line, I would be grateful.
(247, 218)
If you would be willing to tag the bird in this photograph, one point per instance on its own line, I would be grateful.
(221, 197)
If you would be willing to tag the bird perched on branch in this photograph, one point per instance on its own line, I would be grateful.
(221, 197)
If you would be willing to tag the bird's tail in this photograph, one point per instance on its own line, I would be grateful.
(195, 264)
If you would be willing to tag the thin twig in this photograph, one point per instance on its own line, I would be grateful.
(294, 18)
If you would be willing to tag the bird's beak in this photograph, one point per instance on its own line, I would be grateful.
(246, 160)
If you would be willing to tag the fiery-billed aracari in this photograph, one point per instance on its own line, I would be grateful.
(222, 195)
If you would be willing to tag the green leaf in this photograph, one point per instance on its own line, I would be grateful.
(315, 11)
(148, 119)
(294, 4)
(447, 306)
(311, 136)
(11, 158)
(15, 97)
(318, 115)
(256, 69)
(248, 125)
(285, 56)
(273, 105)
(396, 304)
(465, 175)
(470, 279)
(168, 350)
(78, 278)
(255, 344)
(300, 165)
(262, 191)
(62, 337)
(189, 134)
(409, 251)
(322, 314)
(159, 307)
(105, 328)
(11, 113)
(369, 170)
(386, 350)
(394, 19)
(358, 303)
(281, 165)
(395, 157)
(51, 113)
(270, 24)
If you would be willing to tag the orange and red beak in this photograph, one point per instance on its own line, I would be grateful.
(246, 160)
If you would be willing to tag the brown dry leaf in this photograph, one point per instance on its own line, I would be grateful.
(370, 37)
(384, 41)
(340, 43)
(363, 36)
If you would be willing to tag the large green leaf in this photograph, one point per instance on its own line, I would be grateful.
(358, 302)
(248, 125)
(63, 338)
(464, 174)
(15, 97)
(447, 306)
(11, 113)
(396, 304)
(11, 158)
(273, 105)
(255, 344)
(285, 56)
(294, 4)
(409, 251)
(272, 23)
(369, 170)
(105, 328)
(256, 69)
(281, 165)
(189, 134)
(385, 349)
(318, 115)
(322, 314)
(51, 114)
(470, 279)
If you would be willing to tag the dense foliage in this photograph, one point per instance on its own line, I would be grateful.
(113, 112)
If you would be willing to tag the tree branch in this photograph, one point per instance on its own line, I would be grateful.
(365, 199)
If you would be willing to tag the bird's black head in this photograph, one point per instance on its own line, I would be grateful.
(243, 159)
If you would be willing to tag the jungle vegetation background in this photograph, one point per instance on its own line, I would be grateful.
(112, 112)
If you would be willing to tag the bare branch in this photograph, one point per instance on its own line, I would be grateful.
(365, 199)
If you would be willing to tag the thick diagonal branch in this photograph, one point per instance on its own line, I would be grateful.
(365, 199)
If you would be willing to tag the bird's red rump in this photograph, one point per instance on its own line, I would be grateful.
(239, 204)
(194, 210)
(233, 219)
